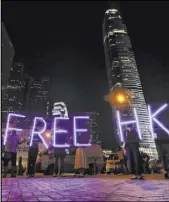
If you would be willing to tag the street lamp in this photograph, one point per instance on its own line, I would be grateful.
(118, 97)
(121, 98)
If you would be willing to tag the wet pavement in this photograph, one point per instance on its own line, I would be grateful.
(83, 189)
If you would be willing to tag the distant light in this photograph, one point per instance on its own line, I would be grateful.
(111, 11)
(48, 134)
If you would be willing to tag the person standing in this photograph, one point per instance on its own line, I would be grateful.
(166, 164)
(10, 153)
(121, 156)
(59, 154)
(32, 155)
(81, 161)
(132, 146)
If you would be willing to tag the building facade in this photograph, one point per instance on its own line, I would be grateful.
(15, 90)
(94, 127)
(60, 109)
(7, 58)
(122, 72)
(37, 100)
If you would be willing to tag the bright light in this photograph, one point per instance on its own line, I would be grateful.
(55, 131)
(76, 130)
(38, 132)
(120, 98)
(160, 110)
(119, 125)
(8, 128)
(151, 123)
(137, 123)
(48, 134)
(126, 123)
(161, 125)
(152, 118)
(111, 11)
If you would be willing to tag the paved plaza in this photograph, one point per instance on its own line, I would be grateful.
(83, 189)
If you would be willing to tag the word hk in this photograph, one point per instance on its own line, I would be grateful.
(152, 119)
(56, 130)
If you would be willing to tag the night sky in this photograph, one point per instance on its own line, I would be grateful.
(63, 40)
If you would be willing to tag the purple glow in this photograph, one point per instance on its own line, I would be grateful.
(38, 132)
(55, 130)
(9, 128)
(152, 118)
(126, 123)
(75, 130)
(119, 125)
(161, 125)
(137, 123)
(151, 123)
(159, 110)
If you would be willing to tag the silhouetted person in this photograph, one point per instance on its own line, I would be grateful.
(20, 167)
(59, 154)
(121, 156)
(132, 146)
(11, 153)
(166, 164)
(32, 155)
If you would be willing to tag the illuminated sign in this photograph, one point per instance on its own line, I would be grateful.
(59, 131)
(65, 131)
(76, 130)
(152, 117)
(8, 128)
(39, 133)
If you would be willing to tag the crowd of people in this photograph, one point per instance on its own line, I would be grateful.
(131, 159)
(10, 154)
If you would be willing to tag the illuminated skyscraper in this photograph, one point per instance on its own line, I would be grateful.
(38, 97)
(15, 90)
(94, 127)
(60, 109)
(122, 71)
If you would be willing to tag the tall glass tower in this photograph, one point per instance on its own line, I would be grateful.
(122, 71)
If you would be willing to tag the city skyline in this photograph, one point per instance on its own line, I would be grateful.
(74, 60)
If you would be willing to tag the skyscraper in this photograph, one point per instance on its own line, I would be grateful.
(60, 109)
(15, 90)
(122, 71)
(94, 127)
(7, 58)
(38, 97)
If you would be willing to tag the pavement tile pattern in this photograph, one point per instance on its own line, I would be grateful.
(83, 189)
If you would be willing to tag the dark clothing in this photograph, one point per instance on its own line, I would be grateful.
(123, 163)
(166, 161)
(35, 142)
(131, 137)
(134, 158)
(12, 159)
(59, 155)
(144, 162)
(32, 156)
(61, 139)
